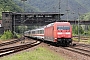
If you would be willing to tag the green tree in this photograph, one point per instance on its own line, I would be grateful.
(75, 30)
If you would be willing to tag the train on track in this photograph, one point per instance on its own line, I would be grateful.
(59, 33)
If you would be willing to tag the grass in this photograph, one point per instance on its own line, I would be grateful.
(89, 41)
(38, 54)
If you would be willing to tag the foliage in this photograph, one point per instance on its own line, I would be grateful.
(20, 29)
(89, 41)
(53, 6)
(75, 30)
(26, 7)
(45, 6)
(8, 6)
(84, 3)
(83, 30)
(7, 35)
(16, 35)
(85, 17)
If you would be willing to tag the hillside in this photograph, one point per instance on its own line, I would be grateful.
(15, 6)
(8, 5)
(74, 6)
(26, 7)
(52, 5)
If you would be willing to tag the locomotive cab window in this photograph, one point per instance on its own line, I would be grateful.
(66, 27)
(63, 28)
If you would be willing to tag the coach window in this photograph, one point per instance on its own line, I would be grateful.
(29, 32)
(37, 31)
(40, 31)
(33, 32)
(43, 31)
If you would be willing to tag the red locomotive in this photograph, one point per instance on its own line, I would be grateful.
(58, 32)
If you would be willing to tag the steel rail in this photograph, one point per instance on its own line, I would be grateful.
(10, 50)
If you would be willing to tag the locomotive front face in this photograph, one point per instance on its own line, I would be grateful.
(63, 32)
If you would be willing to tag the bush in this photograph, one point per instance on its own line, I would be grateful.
(7, 35)
(86, 33)
(16, 35)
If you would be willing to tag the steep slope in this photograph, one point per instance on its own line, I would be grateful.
(85, 4)
(26, 7)
(53, 5)
(8, 5)
(74, 7)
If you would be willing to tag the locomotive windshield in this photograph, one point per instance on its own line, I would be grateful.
(63, 28)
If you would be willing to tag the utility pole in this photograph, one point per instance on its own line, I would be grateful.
(23, 17)
(78, 25)
(22, 21)
(59, 10)
(14, 26)
(67, 11)
(24, 4)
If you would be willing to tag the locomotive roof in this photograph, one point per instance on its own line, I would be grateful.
(51, 24)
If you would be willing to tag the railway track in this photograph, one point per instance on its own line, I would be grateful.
(82, 37)
(78, 50)
(10, 50)
(83, 45)
(11, 42)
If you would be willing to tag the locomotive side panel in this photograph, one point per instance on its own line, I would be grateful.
(55, 32)
(49, 33)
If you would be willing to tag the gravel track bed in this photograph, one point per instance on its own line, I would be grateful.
(70, 54)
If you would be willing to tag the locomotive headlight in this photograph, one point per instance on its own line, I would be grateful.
(55, 38)
(68, 33)
(59, 33)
